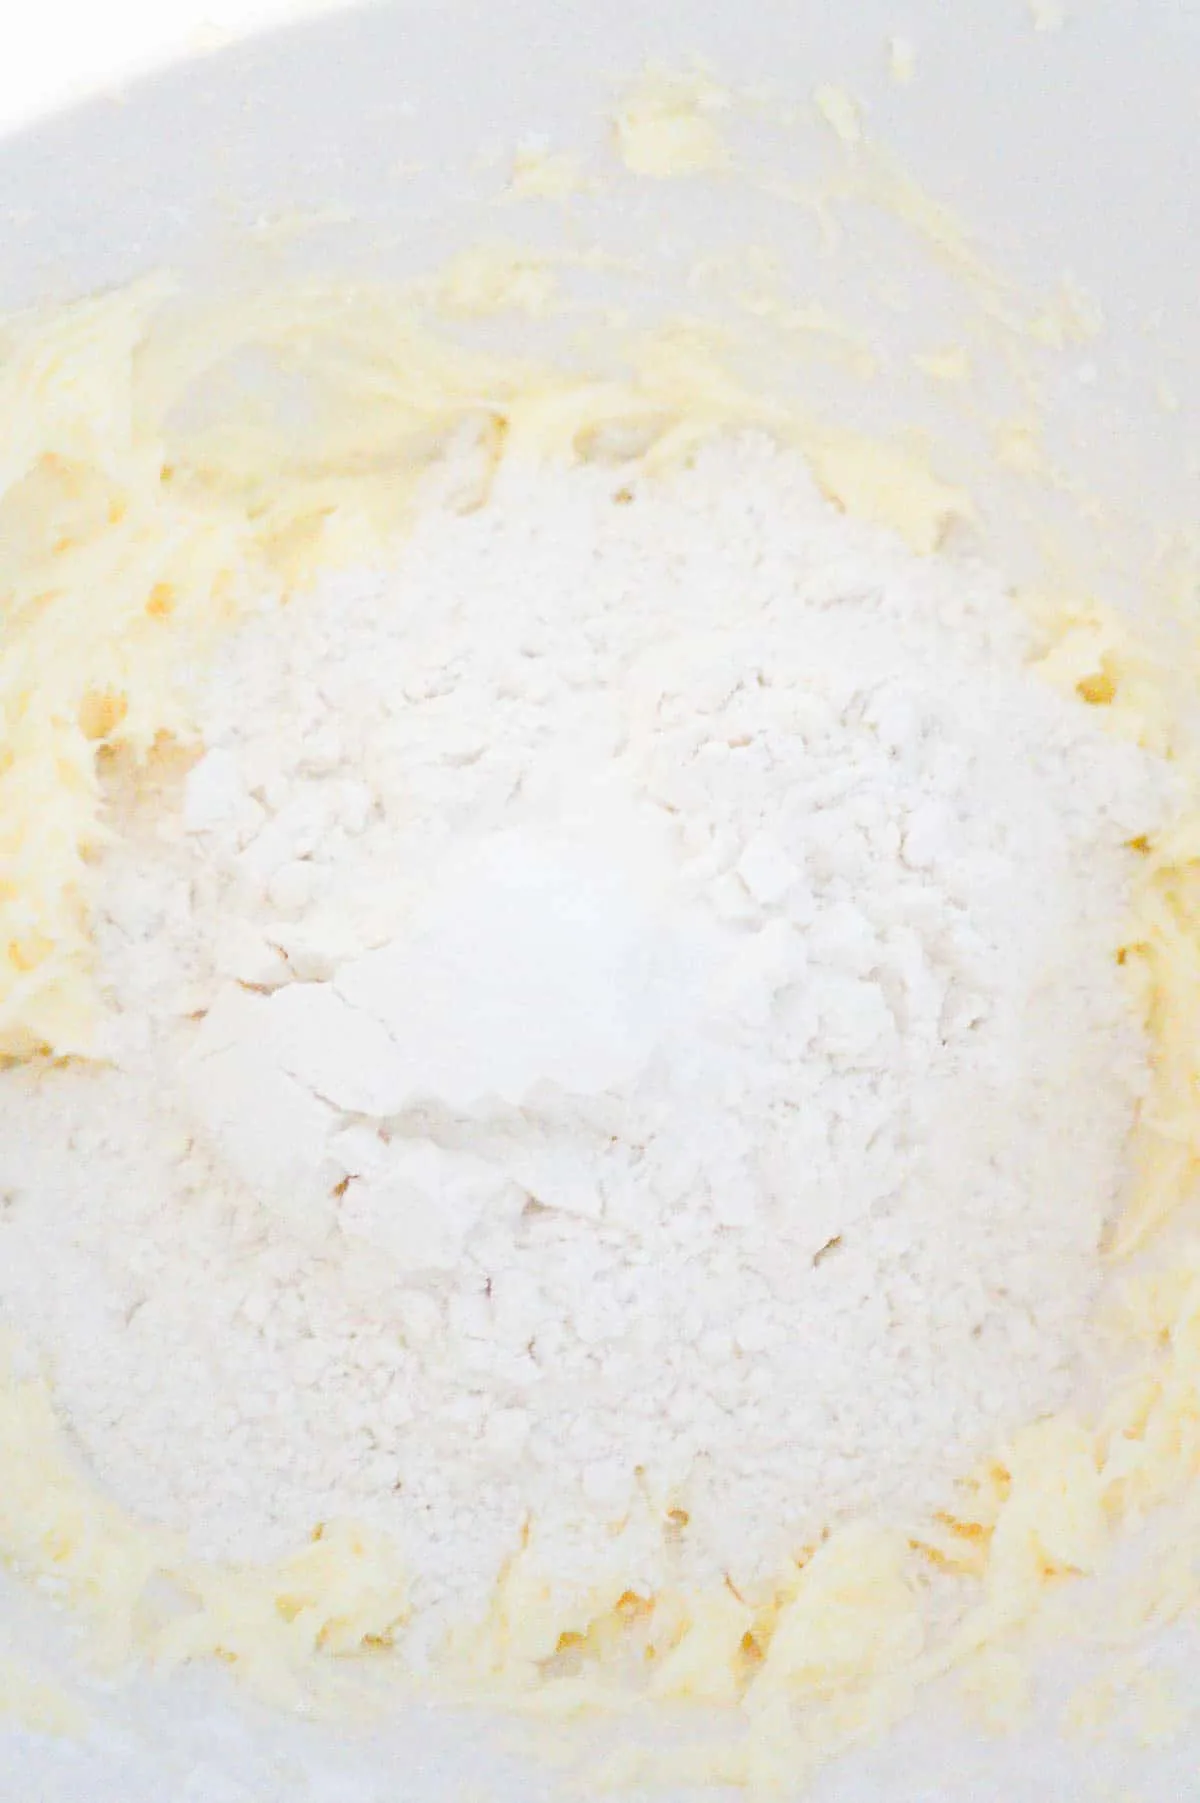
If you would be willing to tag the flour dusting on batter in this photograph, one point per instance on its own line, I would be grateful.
(616, 1043)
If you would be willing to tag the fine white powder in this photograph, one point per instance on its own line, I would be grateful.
(617, 1039)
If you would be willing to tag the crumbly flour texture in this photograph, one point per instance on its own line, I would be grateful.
(614, 1044)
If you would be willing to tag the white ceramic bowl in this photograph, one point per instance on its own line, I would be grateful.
(1071, 151)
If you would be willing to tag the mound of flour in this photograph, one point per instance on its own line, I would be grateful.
(616, 1039)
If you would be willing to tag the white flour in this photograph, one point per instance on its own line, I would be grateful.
(620, 1032)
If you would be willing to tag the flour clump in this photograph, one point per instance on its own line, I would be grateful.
(616, 1042)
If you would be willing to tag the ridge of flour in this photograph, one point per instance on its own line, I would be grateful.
(617, 1040)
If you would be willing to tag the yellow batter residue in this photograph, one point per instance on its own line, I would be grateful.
(112, 580)
(131, 537)
(539, 173)
(841, 112)
(495, 278)
(140, 1596)
(902, 60)
(950, 365)
(670, 124)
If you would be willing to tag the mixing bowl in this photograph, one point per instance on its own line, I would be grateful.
(1029, 162)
